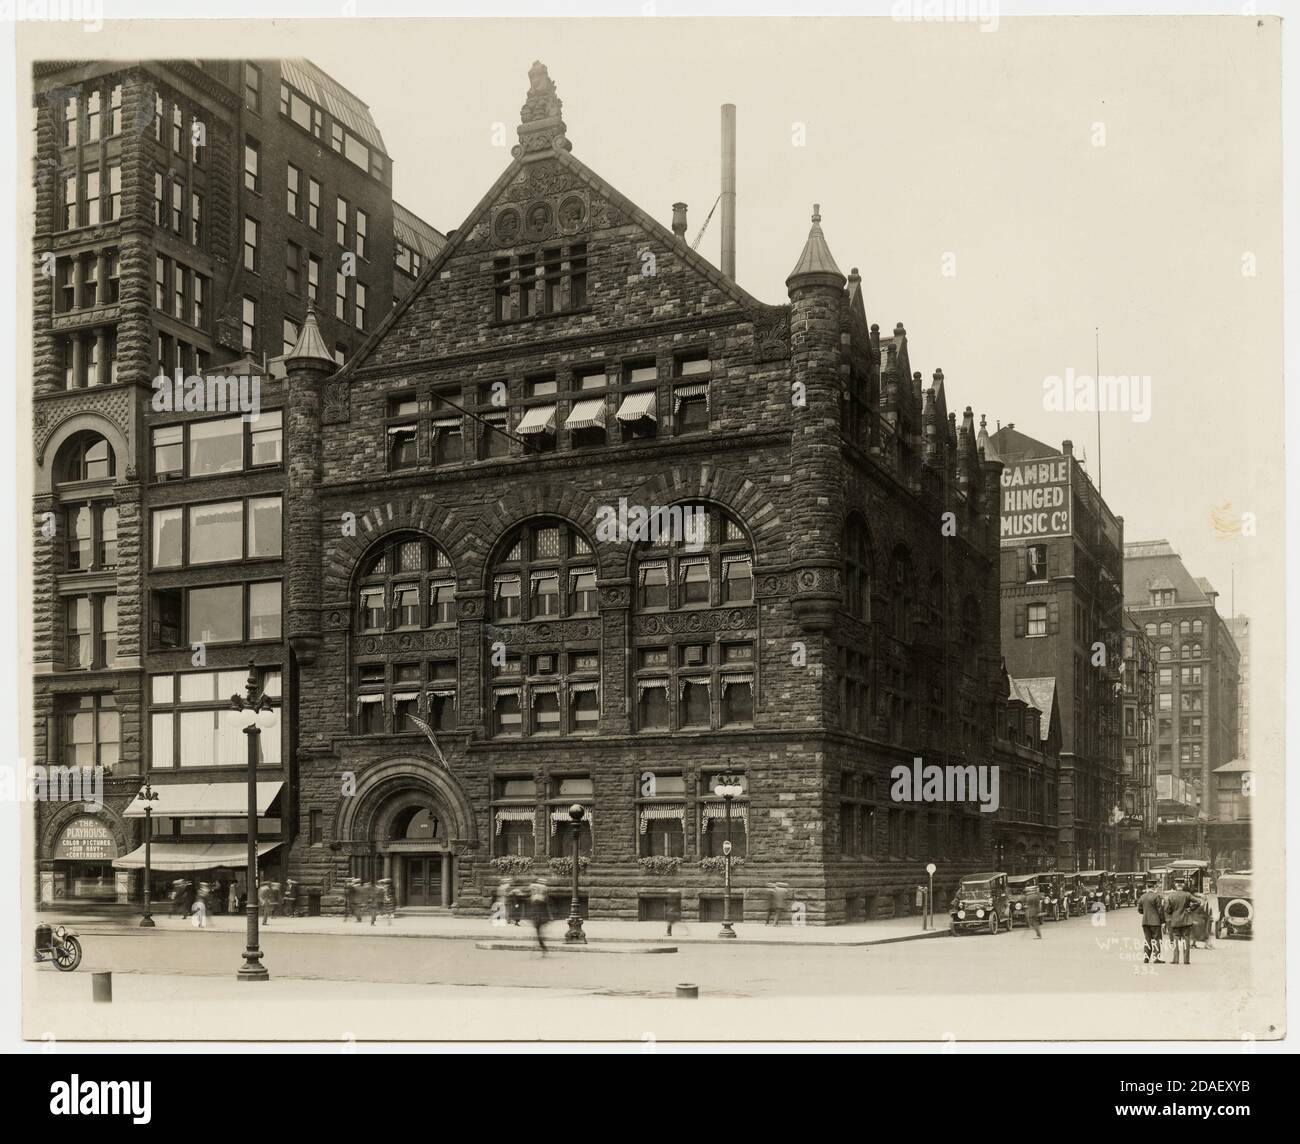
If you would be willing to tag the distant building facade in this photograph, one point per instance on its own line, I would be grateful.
(1027, 747)
(1062, 617)
(1196, 688)
(1138, 792)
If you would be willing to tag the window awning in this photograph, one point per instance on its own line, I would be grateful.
(637, 405)
(562, 816)
(538, 419)
(192, 855)
(686, 392)
(588, 414)
(659, 813)
(515, 814)
(205, 800)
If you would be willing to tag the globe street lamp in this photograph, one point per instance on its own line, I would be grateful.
(574, 934)
(148, 796)
(929, 899)
(261, 715)
(726, 789)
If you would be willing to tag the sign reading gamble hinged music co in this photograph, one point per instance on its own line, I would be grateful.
(1035, 499)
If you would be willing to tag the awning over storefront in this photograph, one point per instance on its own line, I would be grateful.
(205, 800)
(192, 856)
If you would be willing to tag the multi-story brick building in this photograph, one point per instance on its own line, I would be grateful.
(1027, 748)
(1138, 788)
(1062, 616)
(454, 510)
(187, 213)
(1196, 683)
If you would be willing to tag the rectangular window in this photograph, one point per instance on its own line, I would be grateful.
(313, 278)
(178, 129)
(216, 615)
(92, 198)
(196, 218)
(578, 275)
(114, 191)
(216, 447)
(115, 110)
(294, 183)
(169, 451)
(252, 163)
(292, 267)
(1037, 620)
(264, 611)
(313, 205)
(251, 228)
(545, 594)
(248, 323)
(216, 532)
(198, 140)
(340, 297)
(694, 708)
(288, 334)
(341, 221)
(266, 438)
(159, 201)
(359, 306)
(71, 117)
(199, 316)
(158, 116)
(373, 616)
(737, 700)
(69, 202)
(167, 548)
(362, 226)
(253, 88)
(507, 597)
(653, 585)
(695, 582)
(507, 719)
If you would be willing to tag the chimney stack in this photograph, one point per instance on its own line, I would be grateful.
(729, 190)
(679, 220)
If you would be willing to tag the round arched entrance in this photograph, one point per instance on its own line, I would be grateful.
(407, 821)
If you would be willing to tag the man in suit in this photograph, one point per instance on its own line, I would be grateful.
(1178, 913)
(1153, 916)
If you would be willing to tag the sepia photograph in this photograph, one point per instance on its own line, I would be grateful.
(676, 529)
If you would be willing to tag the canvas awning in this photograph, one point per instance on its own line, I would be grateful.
(588, 414)
(192, 856)
(204, 800)
(637, 405)
(539, 419)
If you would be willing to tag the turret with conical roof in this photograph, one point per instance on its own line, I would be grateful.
(815, 267)
(310, 345)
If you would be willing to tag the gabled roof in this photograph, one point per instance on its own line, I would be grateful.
(595, 183)
(1012, 445)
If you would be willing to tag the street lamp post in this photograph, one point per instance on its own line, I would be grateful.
(929, 898)
(257, 705)
(574, 935)
(148, 796)
(726, 789)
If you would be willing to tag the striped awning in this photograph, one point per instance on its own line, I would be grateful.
(515, 814)
(644, 685)
(588, 414)
(718, 810)
(727, 680)
(657, 813)
(637, 405)
(368, 699)
(405, 696)
(703, 682)
(503, 693)
(445, 423)
(539, 419)
(558, 816)
(684, 392)
(401, 430)
(576, 688)
(574, 573)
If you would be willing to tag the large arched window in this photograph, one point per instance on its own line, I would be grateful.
(695, 556)
(904, 594)
(857, 569)
(546, 570)
(85, 456)
(406, 583)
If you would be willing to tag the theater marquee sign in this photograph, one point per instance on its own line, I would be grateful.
(86, 839)
(1036, 500)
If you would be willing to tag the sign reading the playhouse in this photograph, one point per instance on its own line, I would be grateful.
(86, 840)
(1035, 499)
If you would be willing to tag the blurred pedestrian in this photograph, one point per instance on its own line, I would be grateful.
(501, 903)
(290, 898)
(232, 904)
(264, 902)
(370, 901)
(387, 901)
(518, 901)
(1033, 910)
(539, 912)
(776, 903)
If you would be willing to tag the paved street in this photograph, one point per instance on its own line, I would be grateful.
(1080, 981)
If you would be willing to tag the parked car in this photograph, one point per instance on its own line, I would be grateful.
(1050, 888)
(1071, 895)
(1094, 888)
(981, 902)
(1128, 888)
(1018, 885)
(1235, 905)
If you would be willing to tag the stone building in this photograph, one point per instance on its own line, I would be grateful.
(1062, 616)
(1027, 747)
(1138, 788)
(187, 213)
(611, 529)
(1196, 686)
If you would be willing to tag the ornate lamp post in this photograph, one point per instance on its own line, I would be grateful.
(726, 789)
(148, 796)
(574, 935)
(259, 708)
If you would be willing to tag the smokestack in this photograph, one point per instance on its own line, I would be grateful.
(679, 220)
(729, 190)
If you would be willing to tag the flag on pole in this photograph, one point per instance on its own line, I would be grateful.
(433, 739)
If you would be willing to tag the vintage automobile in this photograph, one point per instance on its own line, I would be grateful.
(1071, 895)
(1095, 889)
(1128, 888)
(1019, 885)
(1235, 905)
(1195, 873)
(980, 902)
(1055, 906)
(59, 945)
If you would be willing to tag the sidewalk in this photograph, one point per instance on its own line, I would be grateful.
(482, 928)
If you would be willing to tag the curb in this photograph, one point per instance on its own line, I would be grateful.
(560, 947)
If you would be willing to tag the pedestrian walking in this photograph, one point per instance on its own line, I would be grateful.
(277, 897)
(776, 899)
(540, 914)
(386, 898)
(1033, 910)
(1178, 912)
(290, 898)
(367, 901)
(518, 900)
(264, 901)
(232, 902)
(1152, 907)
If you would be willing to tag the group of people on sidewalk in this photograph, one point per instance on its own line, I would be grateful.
(513, 899)
(1183, 915)
(375, 899)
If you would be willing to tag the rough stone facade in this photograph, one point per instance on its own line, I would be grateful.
(815, 430)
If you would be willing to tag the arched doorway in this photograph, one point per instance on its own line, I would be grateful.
(417, 856)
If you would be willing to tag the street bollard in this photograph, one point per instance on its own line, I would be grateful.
(688, 991)
(101, 986)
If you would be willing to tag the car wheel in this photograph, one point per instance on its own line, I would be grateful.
(993, 924)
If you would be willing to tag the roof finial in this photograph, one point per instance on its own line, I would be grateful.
(817, 212)
(541, 128)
